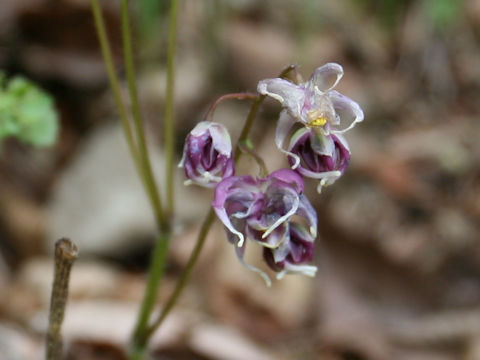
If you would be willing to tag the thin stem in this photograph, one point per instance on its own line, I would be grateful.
(202, 236)
(65, 254)
(248, 125)
(238, 96)
(114, 83)
(263, 170)
(169, 106)
(157, 267)
(149, 177)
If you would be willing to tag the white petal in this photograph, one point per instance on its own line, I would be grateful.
(287, 93)
(326, 77)
(284, 125)
(240, 251)
(221, 138)
(348, 110)
(223, 217)
(307, 270)
(322, 144)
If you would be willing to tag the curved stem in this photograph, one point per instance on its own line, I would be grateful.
(262, 167)
(114, 83)
(238, 96)
(150, 182)
(169, 107)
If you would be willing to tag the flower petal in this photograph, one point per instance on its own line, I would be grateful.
(290, 177)
(284, 125)
(307, 211)
(347, 109)
(222, 192)
(240, 251)
(326, 77)
(287, 93)
(307, 270)
(220, 138)
(321, 143)
(282, 219)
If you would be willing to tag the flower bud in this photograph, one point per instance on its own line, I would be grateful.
(207, 155)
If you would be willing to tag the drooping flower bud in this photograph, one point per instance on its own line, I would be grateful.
(323, 157)
(207, 155)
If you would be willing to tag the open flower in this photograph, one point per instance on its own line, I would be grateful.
(261, 209)
(207, 155)
(323, 157)
(313, 104)
(293, 255)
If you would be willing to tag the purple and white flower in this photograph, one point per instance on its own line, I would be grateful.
(313, 104)
(207, 155)
(261, 209)
(321, 157)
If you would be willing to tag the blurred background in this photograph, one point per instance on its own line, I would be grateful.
(399, 247)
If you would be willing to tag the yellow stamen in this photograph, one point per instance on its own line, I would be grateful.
(321, 121)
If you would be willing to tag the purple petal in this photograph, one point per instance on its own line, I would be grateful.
(222, 192)
(290, 177)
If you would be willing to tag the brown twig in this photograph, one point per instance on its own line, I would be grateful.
(65, 254)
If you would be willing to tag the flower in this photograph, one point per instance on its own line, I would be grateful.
(313, 104)
(292, 255)
(207, 155)
(321, 157)
(261, 209)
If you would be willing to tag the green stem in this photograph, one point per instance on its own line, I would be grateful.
(149, 177)
(157, 268)
(169, 106)
(262, 167)
(202, 236)
(114, 83)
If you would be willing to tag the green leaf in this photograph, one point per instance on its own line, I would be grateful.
(27, 112)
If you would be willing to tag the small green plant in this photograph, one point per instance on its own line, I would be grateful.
(26, 112)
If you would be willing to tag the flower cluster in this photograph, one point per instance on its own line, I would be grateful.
(272, 211)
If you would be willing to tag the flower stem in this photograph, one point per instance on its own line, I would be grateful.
(65, 254)
(114, 83)
(169, 106)
(172, 300)
(239, 96)
(149, 177)
(157, 268)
